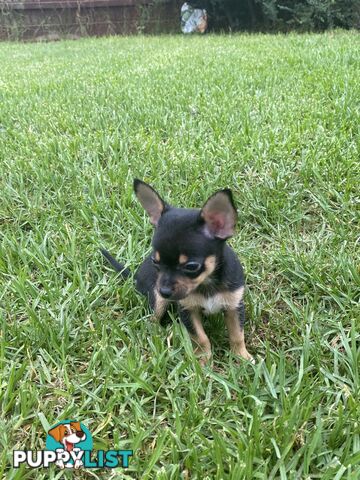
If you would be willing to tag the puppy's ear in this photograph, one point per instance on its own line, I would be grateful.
(57, 432)
(219, 215)
(150, 200)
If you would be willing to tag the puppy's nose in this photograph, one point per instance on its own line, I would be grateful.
(166, 292)
(80, 434)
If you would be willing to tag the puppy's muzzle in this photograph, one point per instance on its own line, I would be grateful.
(172, 294)
(171, 289)
(166, 292)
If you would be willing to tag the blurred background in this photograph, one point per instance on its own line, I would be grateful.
(55, 19)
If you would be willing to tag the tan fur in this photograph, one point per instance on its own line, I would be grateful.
(183, 258)
(186, 285)
(236, 334)
(160, 305)
(200, 339)
(183, 286)
(210, 264)
(226, 300)
(157, 256)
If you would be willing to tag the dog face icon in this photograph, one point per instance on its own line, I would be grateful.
(68, 434)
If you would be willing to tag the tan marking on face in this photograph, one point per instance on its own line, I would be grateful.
(202, 345)
(183, 258)
(236, 335)
(210, 264)
(189, 284)
(157, 256)
(185, 285)
(160, 305)
(221, 300)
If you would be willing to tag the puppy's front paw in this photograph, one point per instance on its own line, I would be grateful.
(243, 353)
(204, 360)
(203, 356)
(250, 358)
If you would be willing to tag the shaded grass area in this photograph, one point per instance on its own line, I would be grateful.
(275, 118)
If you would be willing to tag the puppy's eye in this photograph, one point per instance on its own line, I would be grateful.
(191, 267)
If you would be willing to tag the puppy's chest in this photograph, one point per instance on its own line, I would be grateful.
(215, 303)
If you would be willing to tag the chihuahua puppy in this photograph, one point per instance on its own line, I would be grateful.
(192, 266)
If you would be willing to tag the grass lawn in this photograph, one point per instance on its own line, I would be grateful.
(275, 118)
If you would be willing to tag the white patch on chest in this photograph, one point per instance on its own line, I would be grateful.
(216, 303)
(213, 304)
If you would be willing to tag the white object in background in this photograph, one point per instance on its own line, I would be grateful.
(193, 20)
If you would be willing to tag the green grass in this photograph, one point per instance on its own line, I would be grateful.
(275, 118)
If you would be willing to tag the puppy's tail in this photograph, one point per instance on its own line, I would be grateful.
(118, 267)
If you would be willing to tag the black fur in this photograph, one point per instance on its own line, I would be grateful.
(118, 267)
(186, 320)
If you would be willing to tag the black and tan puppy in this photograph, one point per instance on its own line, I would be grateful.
(192, 265)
